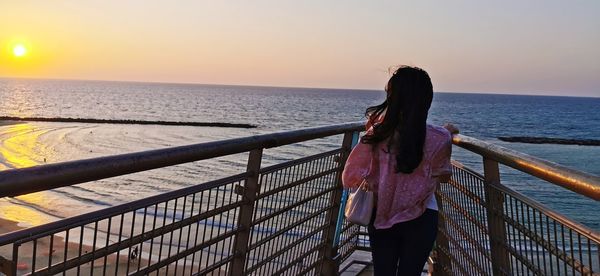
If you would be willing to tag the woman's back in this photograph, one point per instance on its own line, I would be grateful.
(403, 197)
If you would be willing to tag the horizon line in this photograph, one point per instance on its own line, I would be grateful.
(294, 87)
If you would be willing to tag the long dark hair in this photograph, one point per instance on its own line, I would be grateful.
(409, 95)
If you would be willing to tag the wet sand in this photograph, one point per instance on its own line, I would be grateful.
(8, 226)
(6, 123)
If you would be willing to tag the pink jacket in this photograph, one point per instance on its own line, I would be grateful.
(401, 197)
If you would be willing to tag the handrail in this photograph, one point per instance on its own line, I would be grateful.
(577, 181)
(590, 233)
(100, 214)
(38, 178)
(45, 177)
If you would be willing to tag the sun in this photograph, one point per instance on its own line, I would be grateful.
(19, 50)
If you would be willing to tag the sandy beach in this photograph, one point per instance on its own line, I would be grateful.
(56, 254)
(45, 254)
(7, 226)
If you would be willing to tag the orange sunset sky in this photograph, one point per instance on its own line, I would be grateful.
(516, 47)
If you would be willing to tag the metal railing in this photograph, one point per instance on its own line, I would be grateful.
(279, 219)
(487, 228)
(285, 219)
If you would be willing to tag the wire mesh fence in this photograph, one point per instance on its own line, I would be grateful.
(186, 231)
(508, 235)
(197, 230)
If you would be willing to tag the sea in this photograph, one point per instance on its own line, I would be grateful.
(271, 109)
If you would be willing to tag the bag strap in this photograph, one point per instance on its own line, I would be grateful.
(372, 165)
(374, 159)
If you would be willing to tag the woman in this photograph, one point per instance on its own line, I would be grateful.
(410, 158)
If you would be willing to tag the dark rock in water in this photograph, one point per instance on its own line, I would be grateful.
(546, 140)
(133, 122)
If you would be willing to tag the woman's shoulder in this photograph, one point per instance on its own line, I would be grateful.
(437, 138)
(438, 133)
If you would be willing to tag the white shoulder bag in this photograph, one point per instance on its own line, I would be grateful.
(361, 201)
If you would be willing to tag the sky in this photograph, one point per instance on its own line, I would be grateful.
(511, 47)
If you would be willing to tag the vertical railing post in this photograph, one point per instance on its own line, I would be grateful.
(330, 264)
(495, 218)
(441, 260)
(249, 192)
(340, 220)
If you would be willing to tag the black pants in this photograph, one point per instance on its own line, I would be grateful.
(403, 249)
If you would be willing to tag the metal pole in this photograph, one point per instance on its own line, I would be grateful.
(22, 181)
(441, 260)
(495, 213)
(339, 224)
(577, 181)
(330, 265)
(249, 191)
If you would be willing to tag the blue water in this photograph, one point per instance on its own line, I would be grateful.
(482, 116)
